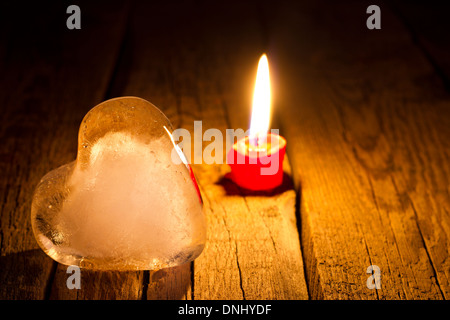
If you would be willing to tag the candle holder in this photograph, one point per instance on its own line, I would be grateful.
(124, 203)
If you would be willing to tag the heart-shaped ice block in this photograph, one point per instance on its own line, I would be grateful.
(128, 202)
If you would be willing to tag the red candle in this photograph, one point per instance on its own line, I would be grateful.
(257, 167)
(256, 161)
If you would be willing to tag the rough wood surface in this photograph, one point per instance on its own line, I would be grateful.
(365, 114)
(253, 249)
(369, 149)
(428, 36)
(41, 108)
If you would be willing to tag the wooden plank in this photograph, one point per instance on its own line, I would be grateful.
(367, 123)
(144, 71)
(102, 285)
(429, 26)
(253, 249)
(25, 269)
(262, 226)
(171, 283)
(99, 285)
(50, 79)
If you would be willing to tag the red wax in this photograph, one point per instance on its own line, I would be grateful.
(257, 167)
(194, 181)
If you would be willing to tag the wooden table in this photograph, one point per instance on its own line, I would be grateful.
(366, 114)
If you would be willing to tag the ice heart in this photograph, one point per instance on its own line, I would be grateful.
(124, 203)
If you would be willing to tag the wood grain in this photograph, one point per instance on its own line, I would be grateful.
(369, 149)
(429, 37)
(49, 82)
(253, 249)
(365, 113)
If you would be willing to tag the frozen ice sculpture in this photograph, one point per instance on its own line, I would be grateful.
(124, 204)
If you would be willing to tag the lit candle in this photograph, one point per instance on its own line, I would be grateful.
(256, 161)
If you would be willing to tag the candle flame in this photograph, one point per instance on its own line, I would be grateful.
(260, 120)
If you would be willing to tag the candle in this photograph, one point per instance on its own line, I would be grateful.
(256, 161)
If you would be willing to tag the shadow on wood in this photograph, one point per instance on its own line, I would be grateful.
(25, 275)
(232, 189)
(170, 283)
(98, 285)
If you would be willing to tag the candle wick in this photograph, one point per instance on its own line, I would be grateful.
(255, 141)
